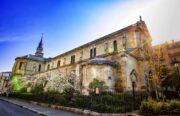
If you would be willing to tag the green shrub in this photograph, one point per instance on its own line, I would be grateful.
(82, 101)
(37, 89)
(99, 107)
(160, 108)
(104, 102)
(175, 106)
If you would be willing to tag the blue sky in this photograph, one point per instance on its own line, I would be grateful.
(67, 24)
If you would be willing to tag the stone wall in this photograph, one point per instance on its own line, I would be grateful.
(102, 72)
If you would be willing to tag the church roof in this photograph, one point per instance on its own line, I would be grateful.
(104, 37)
(34, 57)
(99, 60)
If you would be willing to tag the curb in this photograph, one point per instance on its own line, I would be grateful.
(69, 109)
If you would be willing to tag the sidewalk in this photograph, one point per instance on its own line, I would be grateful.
(44, 111)
(52, 110)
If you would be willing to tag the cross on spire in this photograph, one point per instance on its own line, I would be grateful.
(140, 18)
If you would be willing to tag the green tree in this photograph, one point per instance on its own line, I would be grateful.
(169, 77)
(97, 84)
(164, 71)
(171, 80)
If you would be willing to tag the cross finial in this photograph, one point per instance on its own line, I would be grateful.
(140, 18)
(42, 35)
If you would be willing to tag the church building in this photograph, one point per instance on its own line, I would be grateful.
(120, 59)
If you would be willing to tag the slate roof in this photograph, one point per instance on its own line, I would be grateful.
(34, 57)
(99, 60)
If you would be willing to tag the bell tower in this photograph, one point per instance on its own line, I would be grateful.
(39, 50)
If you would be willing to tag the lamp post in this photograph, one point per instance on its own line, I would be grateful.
(176, 66)
(147, 84)
(133, 80)
(150, 77)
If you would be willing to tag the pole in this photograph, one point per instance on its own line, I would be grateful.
(178, 72)
(178, 79)
(133, 95)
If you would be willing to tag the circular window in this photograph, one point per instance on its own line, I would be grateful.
(110, 78)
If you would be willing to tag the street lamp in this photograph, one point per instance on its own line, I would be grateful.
(176, 66)
(147, 83)
(133, 80)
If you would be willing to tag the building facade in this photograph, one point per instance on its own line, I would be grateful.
(116, 59)
(166, 58)
(4, 82)
(166, 53)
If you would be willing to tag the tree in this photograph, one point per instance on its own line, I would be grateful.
(169, 78)
(18, 84)
(164, 71)
(97, 84)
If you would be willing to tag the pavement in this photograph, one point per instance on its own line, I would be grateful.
(8, 109)
(16, 107)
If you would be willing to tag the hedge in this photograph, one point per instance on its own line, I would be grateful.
(150, 107)
(106, 103)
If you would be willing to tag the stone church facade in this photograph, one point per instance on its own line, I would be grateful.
(116, 59)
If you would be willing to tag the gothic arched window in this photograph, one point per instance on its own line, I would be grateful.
(48, 66)
(39, 68)
(115, 45)
(124, 41)
(58, 63)
(133, 75)
(20, 65)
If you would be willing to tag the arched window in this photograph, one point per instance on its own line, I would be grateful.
(94, 52)
(20, 65)
(39, 68)
(106, 47)
(133, 75)
(109, 78)
(48, 66)
(91, 53)
(124, 40)
(58, 63)
(115, 45)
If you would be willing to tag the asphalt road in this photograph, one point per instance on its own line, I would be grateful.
(8, 109)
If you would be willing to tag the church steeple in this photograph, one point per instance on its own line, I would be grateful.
(39, 50)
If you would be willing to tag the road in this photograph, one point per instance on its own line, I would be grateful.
(8, 109)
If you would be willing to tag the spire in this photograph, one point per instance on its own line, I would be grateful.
(41, 42)
(39, 50)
